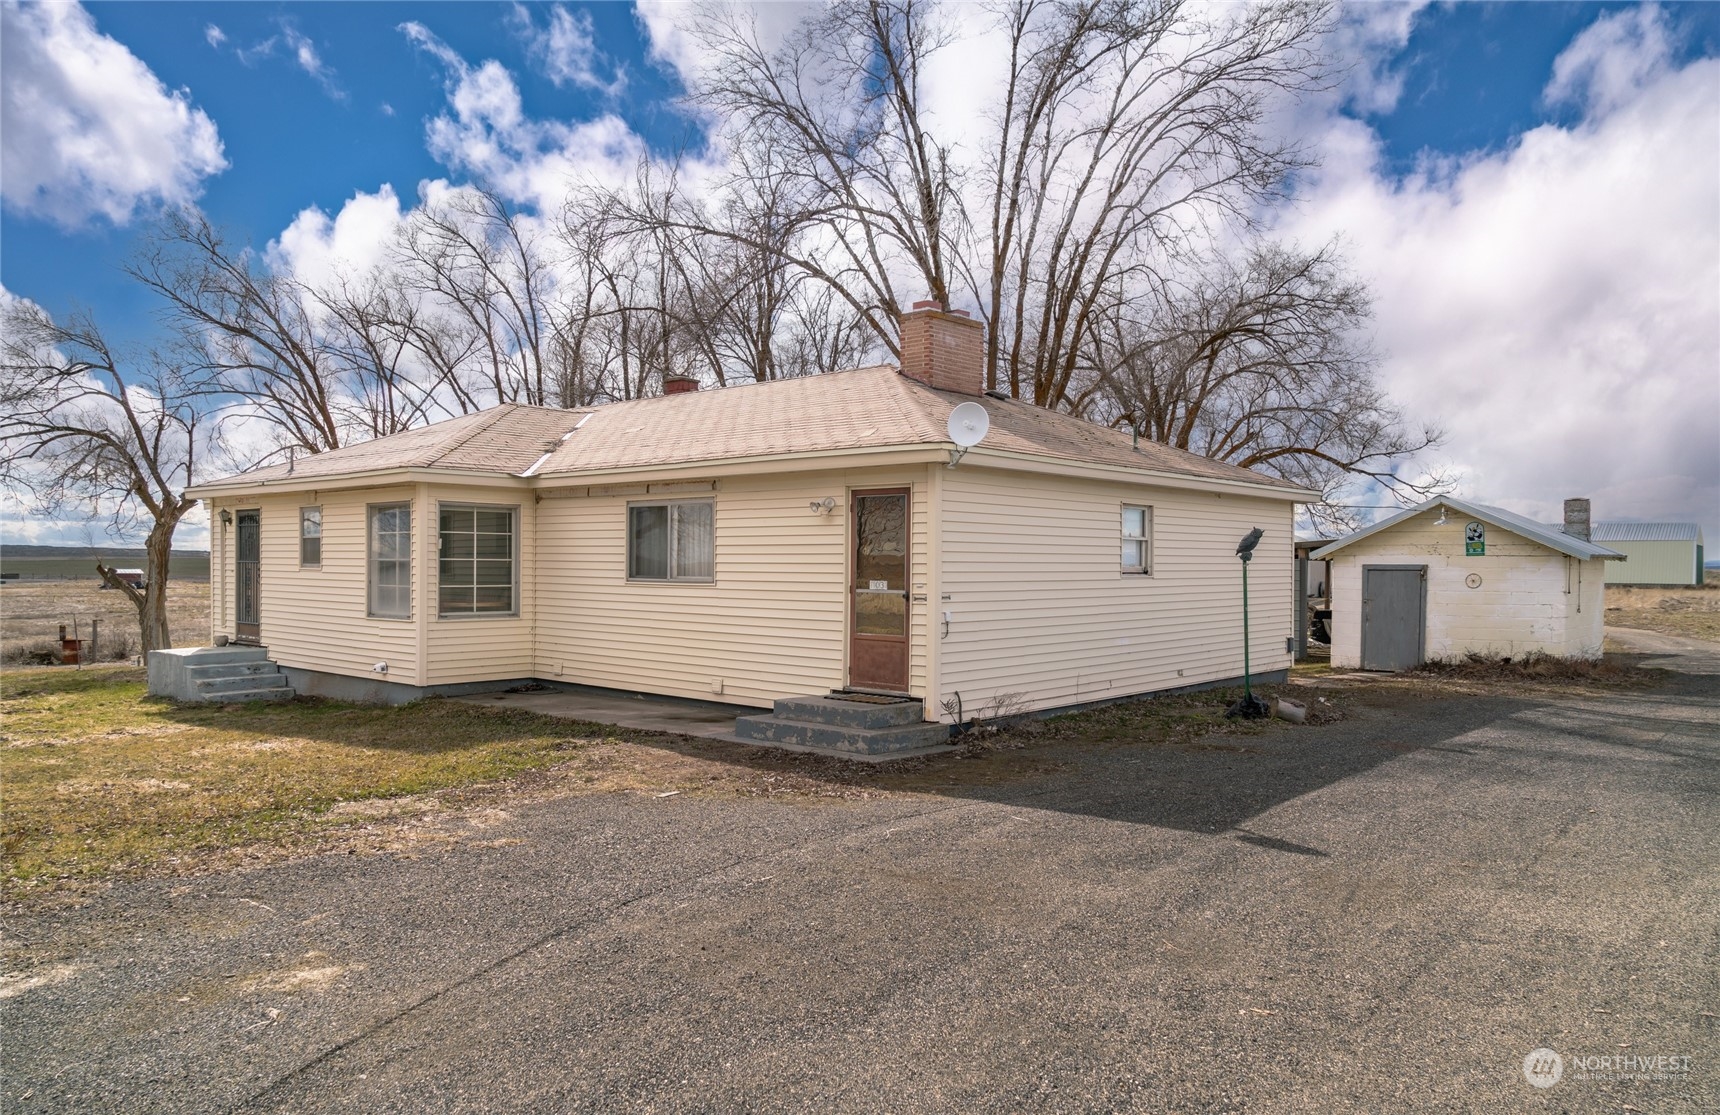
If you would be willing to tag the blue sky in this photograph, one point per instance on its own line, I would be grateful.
(1465, 135)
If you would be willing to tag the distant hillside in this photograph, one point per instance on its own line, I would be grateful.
(78, 562)
(117, 553)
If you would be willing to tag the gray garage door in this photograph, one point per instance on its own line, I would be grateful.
(1394, 616)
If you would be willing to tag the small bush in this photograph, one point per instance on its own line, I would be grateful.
(42, 653)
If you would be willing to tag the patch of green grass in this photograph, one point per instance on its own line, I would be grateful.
(101, 780)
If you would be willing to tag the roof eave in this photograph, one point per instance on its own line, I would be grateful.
(368, 478)
(1559, 544)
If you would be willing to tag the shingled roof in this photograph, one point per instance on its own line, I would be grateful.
(866, 408)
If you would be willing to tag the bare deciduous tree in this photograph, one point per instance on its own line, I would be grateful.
(1262, 363)
(79, 427)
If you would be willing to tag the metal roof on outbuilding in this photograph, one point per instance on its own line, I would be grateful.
(1646, 532)
(1551, 537)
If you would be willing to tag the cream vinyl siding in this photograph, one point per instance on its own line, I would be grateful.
(1040, 607)
(314, 618)
(1531, 598)
(773, 623)
(477, 647)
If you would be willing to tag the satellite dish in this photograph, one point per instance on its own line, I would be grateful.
(969, 424)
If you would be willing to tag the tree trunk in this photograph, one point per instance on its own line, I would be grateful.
(151, 602)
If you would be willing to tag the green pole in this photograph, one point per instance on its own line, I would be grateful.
(1247, 685)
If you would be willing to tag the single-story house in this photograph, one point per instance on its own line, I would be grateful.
(1664, 554)
(1451, 577)
(756, 542)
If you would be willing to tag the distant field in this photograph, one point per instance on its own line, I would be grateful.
(78, 563)
(84, 568)
(31, 613)
(1694, 612)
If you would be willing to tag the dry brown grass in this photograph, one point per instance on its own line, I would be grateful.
(1691, 612)
(1542, 669)
(31, 613)
(104, 783)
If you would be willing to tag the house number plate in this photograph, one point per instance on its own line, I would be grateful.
(879, 586)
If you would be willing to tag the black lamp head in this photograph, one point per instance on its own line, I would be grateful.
(1245, 548)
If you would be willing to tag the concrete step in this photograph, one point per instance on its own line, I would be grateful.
(237, 695)
(232, 669)
(841, 739)
(215, 656)
(244, 683)
(851, 714)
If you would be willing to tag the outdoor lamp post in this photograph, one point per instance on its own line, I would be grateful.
(1250, 707)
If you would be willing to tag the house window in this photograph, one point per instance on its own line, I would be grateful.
(475, 571)
(310, 536)
(391, 560)
(1137, 539)
(670, 541)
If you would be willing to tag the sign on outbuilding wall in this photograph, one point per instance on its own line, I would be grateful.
(1475, 540)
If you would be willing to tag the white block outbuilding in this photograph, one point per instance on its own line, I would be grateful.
(1451, 577)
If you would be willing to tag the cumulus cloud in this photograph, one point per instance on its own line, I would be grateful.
(566, 50)
(87, 130)
(1555, 305)
(320, 250)
(487, 134)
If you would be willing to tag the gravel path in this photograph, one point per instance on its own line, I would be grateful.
(1386, 914)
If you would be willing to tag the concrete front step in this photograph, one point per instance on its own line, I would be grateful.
(217, 674)
(236, 696)
(232, 669)
(841, 739)
(240, 683)
(221, 656)
(839, 713)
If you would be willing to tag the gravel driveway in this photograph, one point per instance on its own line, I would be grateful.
(1386, 914)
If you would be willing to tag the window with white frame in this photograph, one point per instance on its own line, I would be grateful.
(1137, 539)
(670, 541)
(390, 560)
(310, 536)
(476, 564)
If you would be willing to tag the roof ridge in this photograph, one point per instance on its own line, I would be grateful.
(493, 415)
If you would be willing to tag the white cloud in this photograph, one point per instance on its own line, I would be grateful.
(306, 57)
(566, 50)
(487, 134)
(1612, 60)
(320, 250)
(214, 36)
(88, 130)
(1556, 305)
(302, 50)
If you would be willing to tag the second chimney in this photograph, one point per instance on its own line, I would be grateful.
(942, 349)
(680, 385)
(1577, 518)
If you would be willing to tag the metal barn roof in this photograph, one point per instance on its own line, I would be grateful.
(1645, 532)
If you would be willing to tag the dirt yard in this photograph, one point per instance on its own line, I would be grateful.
(1691, 612)
(31, 613)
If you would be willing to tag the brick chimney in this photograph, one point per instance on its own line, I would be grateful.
(680, 385)
(943, 349)
(1577, 518)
